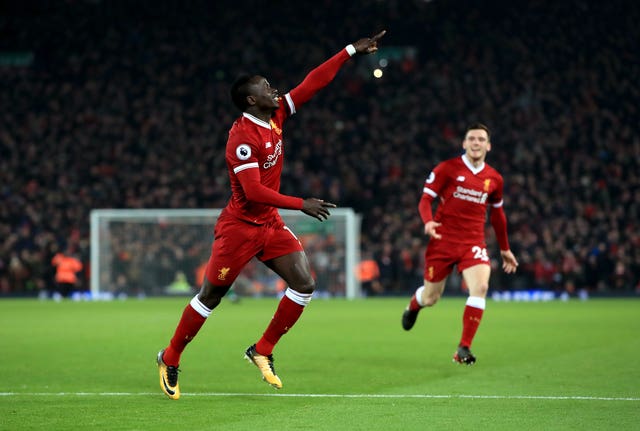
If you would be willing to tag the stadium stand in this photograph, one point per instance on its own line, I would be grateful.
(121, 105)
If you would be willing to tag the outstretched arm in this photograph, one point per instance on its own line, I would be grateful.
(322, 75)
(256, 192)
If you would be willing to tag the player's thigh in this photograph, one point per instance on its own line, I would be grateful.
(283, 253)
(476, 278)
(433, 290)
(294, 269)
(280, 241)
(438, 263)
(234, 244)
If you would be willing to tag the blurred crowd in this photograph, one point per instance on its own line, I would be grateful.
(117, 105)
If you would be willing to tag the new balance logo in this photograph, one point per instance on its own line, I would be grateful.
(460, 178)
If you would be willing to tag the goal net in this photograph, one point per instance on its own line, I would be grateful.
(142, 252)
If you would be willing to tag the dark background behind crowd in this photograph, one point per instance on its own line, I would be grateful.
(113, 104)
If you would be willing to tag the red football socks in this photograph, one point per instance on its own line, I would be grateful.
(470, 323)
(189, 325)
(284, 318)
(413, 304)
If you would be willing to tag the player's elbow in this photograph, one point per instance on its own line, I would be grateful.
(253, 195)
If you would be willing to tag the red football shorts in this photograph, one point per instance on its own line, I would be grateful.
(440, 257)
(236, 242)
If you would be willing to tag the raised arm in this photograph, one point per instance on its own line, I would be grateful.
(322, 75)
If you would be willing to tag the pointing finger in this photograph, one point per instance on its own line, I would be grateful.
(378, 36)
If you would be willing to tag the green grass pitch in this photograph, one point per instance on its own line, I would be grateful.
(347, 365)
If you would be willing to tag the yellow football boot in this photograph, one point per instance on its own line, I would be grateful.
(168, 378)
(265, 365)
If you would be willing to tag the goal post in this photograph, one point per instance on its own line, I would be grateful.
(163, 252)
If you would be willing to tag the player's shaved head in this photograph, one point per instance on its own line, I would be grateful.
(241, 89)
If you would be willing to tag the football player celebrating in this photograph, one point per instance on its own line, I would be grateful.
(250, 225)
(465, 186)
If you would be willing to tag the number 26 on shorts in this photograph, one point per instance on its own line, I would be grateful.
(480, 253)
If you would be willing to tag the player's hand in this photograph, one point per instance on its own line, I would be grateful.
(368, 45)
(509, 261)
(430, 229)
(317, 208)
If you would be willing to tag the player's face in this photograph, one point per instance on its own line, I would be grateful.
(476, 144)
(265, 97)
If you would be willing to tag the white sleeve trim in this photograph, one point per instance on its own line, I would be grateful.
(430, 192)
(351, 50)
(292, 106)
(245, 166)
(498, 204)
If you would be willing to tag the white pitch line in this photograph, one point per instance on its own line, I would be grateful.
(232, 394)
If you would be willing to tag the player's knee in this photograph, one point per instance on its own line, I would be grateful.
(480, 291)
(430, 300)
(306, 287)
(211, 295)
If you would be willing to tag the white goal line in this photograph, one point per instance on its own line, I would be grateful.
(395, 396)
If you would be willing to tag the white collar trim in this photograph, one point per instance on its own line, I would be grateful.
(470, 165)
(256, 120)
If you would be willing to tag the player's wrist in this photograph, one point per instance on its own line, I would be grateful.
(351, 50)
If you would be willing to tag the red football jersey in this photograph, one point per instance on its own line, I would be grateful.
(464, 192)
(252, 144)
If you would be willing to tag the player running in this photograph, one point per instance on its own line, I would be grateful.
(250, 225)
(466, 186)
